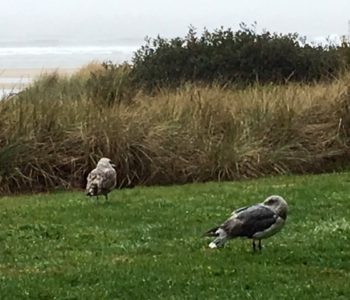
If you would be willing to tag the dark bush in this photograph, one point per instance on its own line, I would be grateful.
(241, 57)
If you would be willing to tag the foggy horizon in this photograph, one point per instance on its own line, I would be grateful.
(131, 21)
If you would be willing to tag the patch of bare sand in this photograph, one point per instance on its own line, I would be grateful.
(20, 77)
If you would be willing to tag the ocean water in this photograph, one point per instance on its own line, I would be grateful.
(55, 54)
(61, 56)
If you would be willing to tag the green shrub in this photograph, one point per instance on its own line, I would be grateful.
(241, 57)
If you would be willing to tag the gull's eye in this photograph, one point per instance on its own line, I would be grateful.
(271, 201)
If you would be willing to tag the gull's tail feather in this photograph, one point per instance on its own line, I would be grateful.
(92, 190)
(212, 232)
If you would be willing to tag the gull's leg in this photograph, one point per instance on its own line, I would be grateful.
(260, 245)
(254, 246)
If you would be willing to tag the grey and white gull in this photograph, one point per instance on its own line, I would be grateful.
(256, 222)
(101, 180)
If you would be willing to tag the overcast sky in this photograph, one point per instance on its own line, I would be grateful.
(135, 19)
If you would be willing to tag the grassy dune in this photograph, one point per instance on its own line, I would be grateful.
(147, 244)
(52, 134)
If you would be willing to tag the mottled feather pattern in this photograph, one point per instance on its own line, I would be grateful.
(257, 221)
(102, 179)
(254, 219)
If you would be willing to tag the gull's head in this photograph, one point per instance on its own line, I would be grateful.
(278, 204)
(105, 162)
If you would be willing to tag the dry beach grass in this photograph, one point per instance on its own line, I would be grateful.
(195, 133)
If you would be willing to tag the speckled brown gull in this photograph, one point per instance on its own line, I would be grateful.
(102, 179)
(255, 222)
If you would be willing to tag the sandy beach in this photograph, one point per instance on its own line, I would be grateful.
(21, 63)
(20, 77)
(14, 80)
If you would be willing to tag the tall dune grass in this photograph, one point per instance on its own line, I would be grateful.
(53, 133)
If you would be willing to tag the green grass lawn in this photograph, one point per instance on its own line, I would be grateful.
(147, 244)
